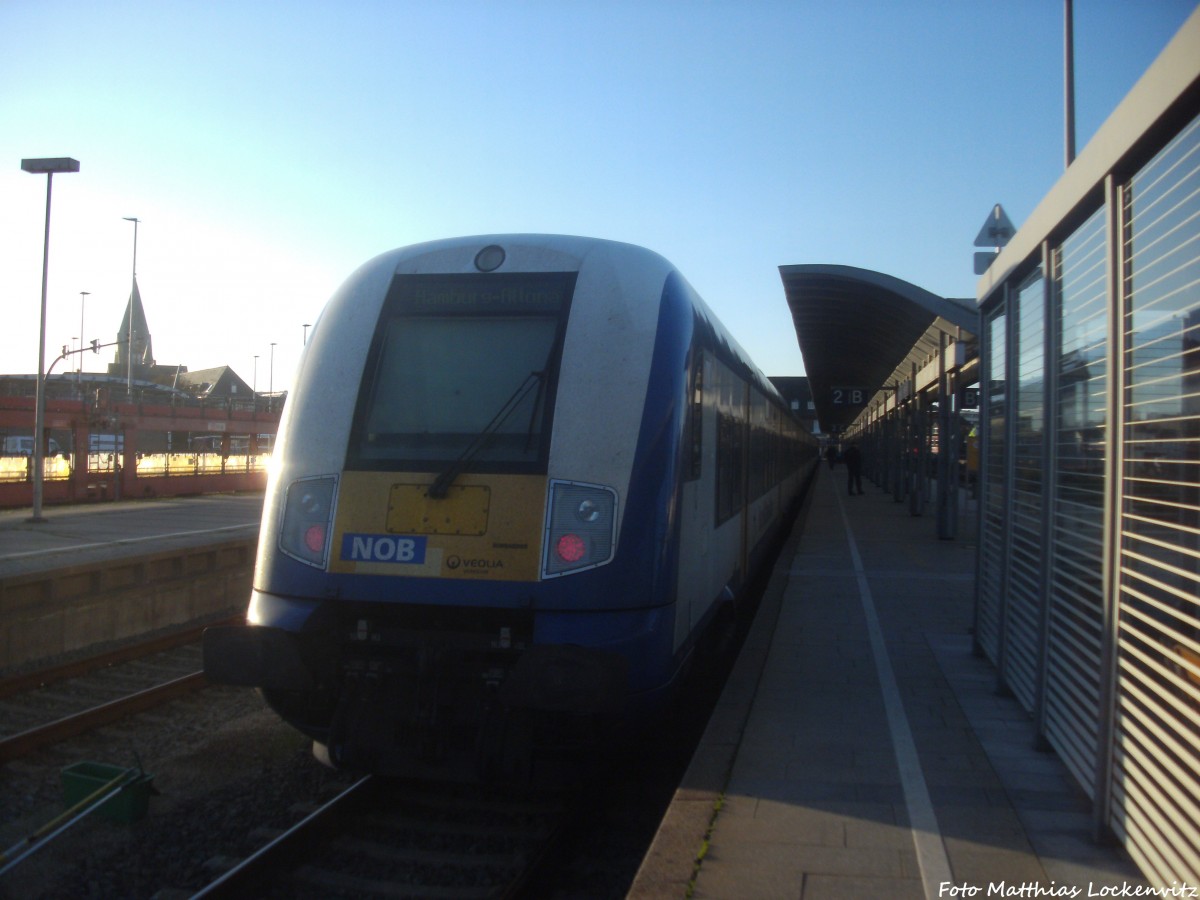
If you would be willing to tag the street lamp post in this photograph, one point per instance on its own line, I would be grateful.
(271, 381)
(132, 291)
(82, 297)
(47, 167)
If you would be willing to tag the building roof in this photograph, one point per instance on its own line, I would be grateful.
(217, 381)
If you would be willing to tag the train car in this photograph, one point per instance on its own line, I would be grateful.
(517, 479)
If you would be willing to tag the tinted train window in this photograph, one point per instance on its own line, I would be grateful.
(730, 392)
(693, 428)
(462, 366)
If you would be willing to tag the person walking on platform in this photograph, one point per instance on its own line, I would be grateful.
(831, 455)
(852, 457)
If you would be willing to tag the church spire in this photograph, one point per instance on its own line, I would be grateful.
(143, 352)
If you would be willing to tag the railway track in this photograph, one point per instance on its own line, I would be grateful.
(388, 839)
(51, 705)
(373, 837)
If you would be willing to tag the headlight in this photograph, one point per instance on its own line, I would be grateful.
(308, 519)
(580, 527)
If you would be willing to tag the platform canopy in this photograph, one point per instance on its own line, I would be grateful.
(861, 331)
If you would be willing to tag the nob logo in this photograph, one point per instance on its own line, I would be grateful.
(385, 548)
(454, 563)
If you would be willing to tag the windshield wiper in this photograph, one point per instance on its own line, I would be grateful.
(441, 484)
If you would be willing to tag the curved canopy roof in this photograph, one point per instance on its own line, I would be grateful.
(863, 330)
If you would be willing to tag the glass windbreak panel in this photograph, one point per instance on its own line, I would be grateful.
(1072, 699)
(1159, 616)
(994, 486)
(1025, 554)
(462, 368)
(1082, 365)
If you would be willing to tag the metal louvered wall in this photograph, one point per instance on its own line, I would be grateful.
(1088, 594)
(1156, 766)
(1021, 657)
(1076, 593)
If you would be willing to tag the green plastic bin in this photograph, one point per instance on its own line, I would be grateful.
(83, 779)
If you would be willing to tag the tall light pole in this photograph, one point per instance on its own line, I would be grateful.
(304, 343)
(254, 386)
(82, 297)
(271, 381)
(1069, 78)
(45, 167)
(132, 293)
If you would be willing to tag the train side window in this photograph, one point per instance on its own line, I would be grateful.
(730, 392)
(760, 476)
(730, 471)
(694, 427)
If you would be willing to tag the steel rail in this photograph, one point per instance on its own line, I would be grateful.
(26, 742)
(289, 849)
(242, 878)
(27, 681)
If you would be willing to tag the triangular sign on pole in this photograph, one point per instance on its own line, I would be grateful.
(996, 230)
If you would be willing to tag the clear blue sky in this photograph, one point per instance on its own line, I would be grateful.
(272, 147)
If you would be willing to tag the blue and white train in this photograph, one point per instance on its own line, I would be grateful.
(518, 478)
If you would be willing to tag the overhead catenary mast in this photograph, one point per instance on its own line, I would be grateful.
(1069, 78)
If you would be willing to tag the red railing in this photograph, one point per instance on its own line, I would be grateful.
(109, 450)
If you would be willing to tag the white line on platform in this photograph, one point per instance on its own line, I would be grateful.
(927, 836)
(134, 540)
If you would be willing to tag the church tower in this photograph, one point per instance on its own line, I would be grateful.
(143, 351)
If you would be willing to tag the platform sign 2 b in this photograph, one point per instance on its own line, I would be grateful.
(848, 396)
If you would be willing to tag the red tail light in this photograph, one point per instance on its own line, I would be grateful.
(308, 519)
(581, 524)
(571, 548)
(314, 539)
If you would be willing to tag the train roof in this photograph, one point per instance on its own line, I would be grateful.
(652, 264)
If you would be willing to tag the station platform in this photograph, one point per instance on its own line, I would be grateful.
(106, 573)
(860, 749)
(96, 532)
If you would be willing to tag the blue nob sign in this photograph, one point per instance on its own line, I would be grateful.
(383, 548)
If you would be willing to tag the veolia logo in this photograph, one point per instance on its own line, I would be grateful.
(454, 563)
(383, 548)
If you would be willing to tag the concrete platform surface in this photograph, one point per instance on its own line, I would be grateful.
(77, 534)
(860, 750)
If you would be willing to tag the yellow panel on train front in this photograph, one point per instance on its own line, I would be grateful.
(488, 526)
(464, 510)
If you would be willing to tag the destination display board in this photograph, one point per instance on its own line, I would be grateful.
(521, 293)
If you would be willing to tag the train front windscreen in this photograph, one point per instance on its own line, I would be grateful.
(462, 366)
